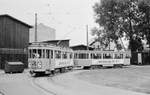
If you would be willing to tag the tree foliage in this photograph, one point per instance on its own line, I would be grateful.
(123, 18)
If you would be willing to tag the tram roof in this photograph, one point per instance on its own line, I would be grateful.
(46, 45)
(97, 51)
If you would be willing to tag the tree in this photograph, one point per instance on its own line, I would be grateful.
(144, 26)
(119, 18)
(101, 36)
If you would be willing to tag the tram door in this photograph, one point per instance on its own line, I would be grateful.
(51, 61)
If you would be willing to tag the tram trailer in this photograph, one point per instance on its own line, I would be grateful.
(98, 59)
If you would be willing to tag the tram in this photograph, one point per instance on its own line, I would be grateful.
(48, 59)
(98, 59)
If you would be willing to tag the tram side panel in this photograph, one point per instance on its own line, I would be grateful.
(82, 62)
(61, 63)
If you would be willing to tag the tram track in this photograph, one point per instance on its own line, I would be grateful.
(1, 93)
(39, 86)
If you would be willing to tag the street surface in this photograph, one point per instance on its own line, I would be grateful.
(18, 84)
(69, 84)
(61, 84)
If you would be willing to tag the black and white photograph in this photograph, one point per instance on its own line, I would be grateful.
(74, 47)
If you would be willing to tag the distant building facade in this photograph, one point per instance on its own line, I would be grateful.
(14, 39)
(43, 33)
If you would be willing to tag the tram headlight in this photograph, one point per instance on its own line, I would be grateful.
(39, 64)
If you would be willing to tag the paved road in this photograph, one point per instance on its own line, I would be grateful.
(68, 84)
(19, 84)
(62, 84)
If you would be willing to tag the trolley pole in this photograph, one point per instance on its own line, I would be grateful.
(35, 27)
(87, 37)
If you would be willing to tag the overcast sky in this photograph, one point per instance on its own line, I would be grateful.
(68, 17)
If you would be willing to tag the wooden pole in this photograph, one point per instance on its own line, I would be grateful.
(87, 37)
(35, 27)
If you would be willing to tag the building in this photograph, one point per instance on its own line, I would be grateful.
(14, 39)
(61, 43)
(43, 33)
(98, 46)
(81, 47)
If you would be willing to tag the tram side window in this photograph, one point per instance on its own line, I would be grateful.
(92, 56)
(107, 56)
(43, 54)
(64, 55)
(51, 51)
(39, 53)
(96, 56)
(71, 55)
(82, 56)
(33, 53)
(127, 56)
(30, 53)
(58, 54)
(118, 56)
(47, 53)
(75, 56)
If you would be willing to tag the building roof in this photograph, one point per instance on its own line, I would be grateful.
(81, 47)
(61, 43)
(56, 40)
(6, 15)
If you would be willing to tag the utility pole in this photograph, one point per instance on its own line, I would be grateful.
(35, 27)
(87, 37)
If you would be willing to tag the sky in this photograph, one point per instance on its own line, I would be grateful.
(68, 17)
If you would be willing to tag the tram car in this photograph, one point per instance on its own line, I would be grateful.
(48, 59)
(97, 59)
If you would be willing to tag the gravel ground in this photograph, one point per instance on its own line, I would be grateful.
(133, 78)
